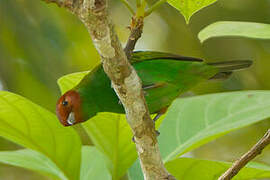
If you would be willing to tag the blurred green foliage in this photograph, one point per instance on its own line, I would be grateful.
(38, 44)
(41, 42)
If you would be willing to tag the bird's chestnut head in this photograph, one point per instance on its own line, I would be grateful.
(68, 108)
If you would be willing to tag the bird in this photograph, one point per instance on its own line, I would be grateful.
(164, 77)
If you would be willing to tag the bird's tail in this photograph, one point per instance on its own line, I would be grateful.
(226, 68)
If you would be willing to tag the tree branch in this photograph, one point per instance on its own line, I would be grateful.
(125, 81)
(136, 28)
(247, 157)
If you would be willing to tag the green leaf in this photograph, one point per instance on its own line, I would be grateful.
(32, 160)
(69, 81)
(193, 121)
(93, 165)
(135, 171)
(109, 132)
(189, 7)
(189, 169)
(32, 126)
(112, 136)
(235, 28)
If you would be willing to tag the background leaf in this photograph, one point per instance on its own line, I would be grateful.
(135, 171)
(112, 135)
(235, 28)
(32, 160)
(193, 121)
(29, 125)
(109, 132)
(189, 7)
(93, 165)
(189, 169)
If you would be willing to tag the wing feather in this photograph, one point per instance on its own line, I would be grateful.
(139, 56)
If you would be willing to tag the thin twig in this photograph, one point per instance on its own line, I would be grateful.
(136, 29)
(125, 81)
(154, 7)
(127, 4)
(247, 157)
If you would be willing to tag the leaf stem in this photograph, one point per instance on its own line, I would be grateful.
(127, 4)
(153, 7)
(138, 3)
(141, 9)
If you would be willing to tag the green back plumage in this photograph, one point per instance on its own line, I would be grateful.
(172, 73)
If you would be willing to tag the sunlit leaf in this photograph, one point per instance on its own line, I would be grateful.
(112, 135)
(32, 126)
(69, 81)
(194, 121)
(32, 160)
(190, 169)
(235, 28)
(93, 165)
(189, 7)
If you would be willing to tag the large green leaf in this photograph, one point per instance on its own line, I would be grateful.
(235, 28)
(135, 171)
(32, 126)
(112, 135)
(32, 160)
(193, 121)
(189, 169)
(109, 132)
(93, 165)
(189, 7)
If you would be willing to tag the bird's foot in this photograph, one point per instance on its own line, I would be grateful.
(160, 113)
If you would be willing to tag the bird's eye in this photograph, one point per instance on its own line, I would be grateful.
(65, 103)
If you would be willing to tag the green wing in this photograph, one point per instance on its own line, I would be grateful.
(139, 56)
(165, 76)
(165, 79)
